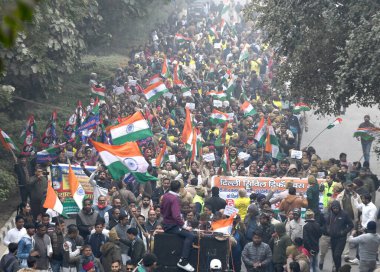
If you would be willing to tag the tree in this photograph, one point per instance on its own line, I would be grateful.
(331, 48)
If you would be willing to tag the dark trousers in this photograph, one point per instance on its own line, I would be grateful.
(24, 193)
(278, 267)
(189, 238)
(337, 247)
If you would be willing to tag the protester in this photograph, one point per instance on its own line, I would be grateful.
(9, 262)
(14, 235)
(257, 255)
(368, 246)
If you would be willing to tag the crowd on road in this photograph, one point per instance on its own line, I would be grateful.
(216, 70)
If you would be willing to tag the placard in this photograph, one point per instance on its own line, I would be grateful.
(132, 82)
(231, 116)
(168, 95)
(296, 154)
(243, 156)
(230, 210)
(209, 157)
(60, 182)
(172, 158)
(188, 93)
(191, 106)
(217, 103)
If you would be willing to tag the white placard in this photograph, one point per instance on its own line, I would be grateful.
(119, 90)
(229, 210)
(243, 156)
(132, 82)
(231, 116)
(172, 158)
(153, 161)
(188, 93)
(168, 95)
(209, 157)
(191, 106)
(217, 45)
(217, 103)
(296, 154)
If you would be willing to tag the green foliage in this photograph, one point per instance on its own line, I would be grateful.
(331, 48)
(6, 92)
(7, 180)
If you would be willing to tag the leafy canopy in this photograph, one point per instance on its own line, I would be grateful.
(331, 48)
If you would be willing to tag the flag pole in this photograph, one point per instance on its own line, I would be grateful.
(316, 137)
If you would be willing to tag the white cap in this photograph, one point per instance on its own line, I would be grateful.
(215, 264)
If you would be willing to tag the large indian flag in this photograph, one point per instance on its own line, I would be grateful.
(76, 188)
(188, 132)
(260, 133)
(98, 91)
(179, 38)
(52, 201)
(272, 145)
(248, 109)
(124, 159)
(218, 117)
(223, 225)
(132, 129)
(154, 91)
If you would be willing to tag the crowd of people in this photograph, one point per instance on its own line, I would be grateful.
(282, 230)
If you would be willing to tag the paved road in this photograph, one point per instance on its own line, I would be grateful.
(339, 139)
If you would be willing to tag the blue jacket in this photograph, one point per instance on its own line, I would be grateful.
(24, 247)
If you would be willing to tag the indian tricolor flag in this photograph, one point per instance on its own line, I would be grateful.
(52, 201)
(244, 54)
(335, 123)
(154, 91)
(218, 117)
(124, 159)
(217, 95)
(162, 156)
(260, 133)
(99, 91)
(213, 32)
(179, 38)
(272, 145)
(299, 107)
(223, 225)
(248, 109)
(154, 79)
(134, 128)
(76, 188)
(188, 132)
(177, 82)
(7, 141)
(165, 69)
(222, 26)
(225, 164)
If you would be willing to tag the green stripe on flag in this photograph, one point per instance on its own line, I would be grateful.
(132, 137)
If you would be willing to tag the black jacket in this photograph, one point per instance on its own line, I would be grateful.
(216, 203)
(311, 234)
(340, 224)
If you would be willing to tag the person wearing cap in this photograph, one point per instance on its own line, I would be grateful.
(295, 226)
(338, 225)
(265, 227)
(257, 255)
(311, 234)
(87, 261)
(279, 242)
(110, 250)
(368, 246)
(366, 140)
(215, 265)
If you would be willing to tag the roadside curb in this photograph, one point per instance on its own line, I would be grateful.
(3, 231)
